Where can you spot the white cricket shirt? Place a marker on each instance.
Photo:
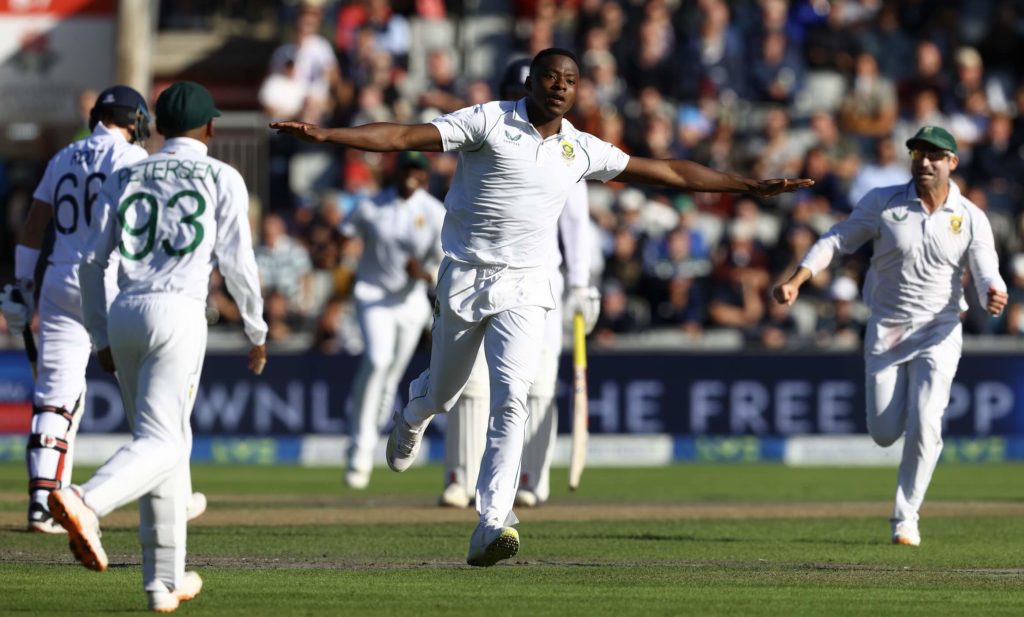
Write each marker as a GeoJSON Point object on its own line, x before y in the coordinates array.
{"type": "Point", "coordinates": [574, 228]}
{"type": "Point", "coordinates": [71, 184]}
{"type": "Point", "coordinates": [171, 217]}
{"type": "Point", "coordinates": [914, 281]}
{"type": "Point", "coordinates": [393, 230]}
{"type": "Point", "coordinates": [511, 184]}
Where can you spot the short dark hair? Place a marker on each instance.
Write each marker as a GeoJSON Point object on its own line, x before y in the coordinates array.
{"type": "Point", "coordinates": [552, 51]}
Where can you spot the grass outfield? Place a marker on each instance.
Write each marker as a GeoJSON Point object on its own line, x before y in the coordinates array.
{"type": "Point", "coordinates": [694, 539]}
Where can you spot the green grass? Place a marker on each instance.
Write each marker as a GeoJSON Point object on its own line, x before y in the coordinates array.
{"type": "Point", "coordinates": [747, 565]}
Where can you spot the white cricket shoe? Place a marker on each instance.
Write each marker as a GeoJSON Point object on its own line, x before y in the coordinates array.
{"type": "Point", "coordinates": [40, 521]}
{"type": "Point", "coordinates": [82, 524]}
{"type": "Point", "coordinates": [404, 442]}
{"type": "Point", "coordinates": [166, 601]}
{"type": "Point", "coordinates": [357, 479]}
{"type": "Point", "coordinates": [526, 499]}
{"type": "Point", "coordinates": [196, 506]}
{"type": "Point", "coordinates": [454, 496]}
{"type": "Point", "coordinates": [906, 533]}
{"type": "Point", "coordinates": [488, 546]}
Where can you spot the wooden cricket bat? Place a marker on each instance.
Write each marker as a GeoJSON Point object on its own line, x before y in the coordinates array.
{"type": "Point", "coordinates": [580, 411]}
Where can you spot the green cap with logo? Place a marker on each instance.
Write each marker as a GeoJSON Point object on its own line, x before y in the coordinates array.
{"type": "Point", "coordinates": [184, 106]}
{"type": "Point", "coordinates": [932, 135]}
{"type": "Point", "coordinates": [412, 158]}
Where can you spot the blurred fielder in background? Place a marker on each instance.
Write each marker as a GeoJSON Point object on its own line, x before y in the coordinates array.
{"type": "Point", "coordinates": [170, 217]}
{"type": "Point", "coordinates": [518, 161]}
{"type": "Point", "coordinates": [925, 234]}
{"type": "Point", "coordinates": [401, 233]}
{"type": "Point", "coordinates": [466, 431]}
{"type": "Point", "coordinates": [119, 125]}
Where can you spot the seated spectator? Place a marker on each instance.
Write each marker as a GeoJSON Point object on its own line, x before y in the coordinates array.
{"type": "Point", "coordinates": [715, 53]}
{"type": "Point", "coordinates": [925, 111]}
{"type": "Point", "coordinates": [870, 108]}
{"type": "Point", "coordinates": [624, 265]}
{"type": "Point", "coordinates": [315, 64]}
{"type": "Point", "coordinates": [618, 314]}
{"type": "Point", "coordinates": [683, 307]}
{"type": "Point", "coordinates": [778, 329]}
{"type": "Point", "coordinates": [841, 322]}
{"type": "Point", "coordinates": [998, 168]}
{"type": "Point", "coordinates": [777, 153]}
{"type": "Point", "coordinates": [884, 169]}
{"type": "Point", "coordinates": [928, 75]}
{"type": "Point", "coordinates": [283, 263]}
{"type": "Point", "coordinates": [1015, 307]}
{"type": "Point", "coordinates": [441, 95]}
{"type": "Point", "coordinates": [283, 96]}
{"type": "Point", "coordinates": [776, 71]}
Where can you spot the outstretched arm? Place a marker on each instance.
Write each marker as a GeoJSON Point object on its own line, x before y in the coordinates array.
{"type": "Point", "coordinates": [690, 176]}
{"type": "Point", "coordinates": [374, 137]}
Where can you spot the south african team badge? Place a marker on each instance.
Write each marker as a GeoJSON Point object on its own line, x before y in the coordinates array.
{"type": "Point", "coordinates": [956, 223]}
{"type": "Point", "coordinates": [568, 151]}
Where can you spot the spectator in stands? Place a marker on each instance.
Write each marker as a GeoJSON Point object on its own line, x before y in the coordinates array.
{"type": "Point", "coordinates": [776, 70]}
{"type": "Point", "coordinates": [925, 111]}
{"type": "Point", "coordinates": [740, 280]}
{"type": "Point", "coordinates": [1015, 306]}
{"type": "Point", "coordinates": [624, 265]}
{"type": "Point", "coordinates": [841, 322]}
{"type": "Point", "coordinates": [778, 328]}
{"type": "Point", "coordinates": [870, 108]}
{"type": "Point", "coordinates": [714, 53]}
{"type": "Point", "coordinates": [777, 150]}
{"type": "Point", "coordinates": [283, 96]}
{"type": "Point", "coordinates": [884, 169]}
{"type": "Point", "coordinates": [442, 93]}
{"type": "Point", "coordinates": [928, 75]}
{"type": "Point", "coordinates": [284, 265]}
{"type": "Point", "coordinates": [619, 315]}
{"type": "Point", "coordinates": [997, 168]}
{"type": "Point", "coordinates": [683, 307]}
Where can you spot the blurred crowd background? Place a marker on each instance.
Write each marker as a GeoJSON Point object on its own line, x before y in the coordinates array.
{"type": "Point", "coordinates": [764, 88]}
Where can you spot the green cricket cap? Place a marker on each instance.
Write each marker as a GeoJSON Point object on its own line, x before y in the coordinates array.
{"type": "Point", "coordinates": [184, 106]}
{"type": "Point", "coordinates": [411, 158]}
{"type": "Point", "coordinates": [935, 136]}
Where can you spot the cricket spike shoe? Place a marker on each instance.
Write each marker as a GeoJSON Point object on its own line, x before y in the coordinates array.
{"type": "Point", "coordinates": [40, 521]}
{"type": "Point", "coordinates": [489, 546]}
{"type": "Point", "coordinates": [527, 499]}
{"type": "Point", "coordinates": [404, 443]}
{"type": "Point", "coordinates": [167, 601]}
{"type": "Point", "coordinates": [454, 496]}
{"type": "Point", "coordinates": [906, 533]}
{"type": "Point", "coordinates": [196, 506]}
{"type": "Point", "coordinates": [83, 527]}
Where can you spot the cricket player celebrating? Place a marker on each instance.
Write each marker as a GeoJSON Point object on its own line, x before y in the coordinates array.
{"type": "Point", "coordinates": [401, 232]}
{"type": "Point", "coordinates": [466, 431]}
{"type": "Point", "coordinates": [119, 121]}
{"type": "Point", "coordinates": [518, 160]}
{"type": "Point", "coordinates": [924, 234]}
{"type": "Point", "coordinates": [170, 217]}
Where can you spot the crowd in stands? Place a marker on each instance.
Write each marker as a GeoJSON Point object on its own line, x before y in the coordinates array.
{"type": "Point", "coordinates": [828, 90]}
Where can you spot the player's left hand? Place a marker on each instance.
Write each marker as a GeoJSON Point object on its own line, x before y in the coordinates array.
{"type": "Point", "coordinates": [777, 186]}
{"type": "Point", "coordinates": [587, 302]}
{"type": "Point", "coordinates": [106, 360]}
{"type": "Point", "coordinates": [415, 270]}
{"type": "Point", "coordinates": [996, 301]}
{"type": "Point", "coordinates": [257, 359]}
{"type": "Point", "coordinates": [302, 130]}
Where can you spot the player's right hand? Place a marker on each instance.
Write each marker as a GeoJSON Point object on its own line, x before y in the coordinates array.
{"type": "Point", "coordinates": [257, 358]}
{"type": "Point", "coordinates": [106, 360]}
{"type": "Point", "coordinates": [786, 293]}
{"type": "Point", "coordinates": [777, 186]}
{"type": "Point", "coordinates": [302, 130]}
{"type": "Point", "coordinates": [16, 305]}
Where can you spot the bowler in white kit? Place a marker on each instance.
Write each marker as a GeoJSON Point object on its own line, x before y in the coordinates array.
{"type": "Point", "coordinates": [518, 161]}
{"type": "Point", "coordinates": [119, 121]}
{"type": "Point", "coordinates": [170, 218]}
{"type": "Point", "coordinates": [925, 235]}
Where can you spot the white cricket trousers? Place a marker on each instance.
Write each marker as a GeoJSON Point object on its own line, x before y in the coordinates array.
{"type": "Point", "coordinates": [158, 342]}
{"type": "Point", "coordinates": [391, 329]}
{"type": "Point", "coordinates": [466, 431]}
{"type": "Point", "coordinates": [504, 310]}
{"type": "Point", "coordinates": [911, 396]}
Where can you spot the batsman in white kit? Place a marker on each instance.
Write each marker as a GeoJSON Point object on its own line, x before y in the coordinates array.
{"type": "Point", "coordinates": [925, 235]}
{"type": "Point", "coordinates": [170, 217]}
{"type": "Point", "coordinates": [66, 195]}
{"type": "Point", "coordinates": [465, 435]}
{"type": "Point", "coordinates": [518, 160]}
{"type": "Point", "coordinates": [401, 232]}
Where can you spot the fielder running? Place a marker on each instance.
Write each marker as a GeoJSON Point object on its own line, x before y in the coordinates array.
{"type": "Point", "coordinates": [466, 431]}
{"type": "Point", "coordinates": [401, 232]}
{"type": "Point", "coordinates": [170, 217]}
{"type": "Point", "coordinates": [119, 121]}
{"type": "Point", "coordinates": [925, 234]}
{"type": "Point", "coordinates": [518, 161]}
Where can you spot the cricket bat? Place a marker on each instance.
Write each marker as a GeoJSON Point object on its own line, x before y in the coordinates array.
{"type": "Point", "coordinates": [30, 341]}
{"type": "Point", "coordinates": [580, 411]}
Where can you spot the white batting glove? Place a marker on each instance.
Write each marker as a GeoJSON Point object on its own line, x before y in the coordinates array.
{"type": "Point", "coordinates": [17, 305]}
{"type": "Point", "coordinates": [587, 302]}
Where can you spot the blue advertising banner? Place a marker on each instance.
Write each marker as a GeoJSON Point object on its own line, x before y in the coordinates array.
{"type": "Point", "coordinates": [762, 395]}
